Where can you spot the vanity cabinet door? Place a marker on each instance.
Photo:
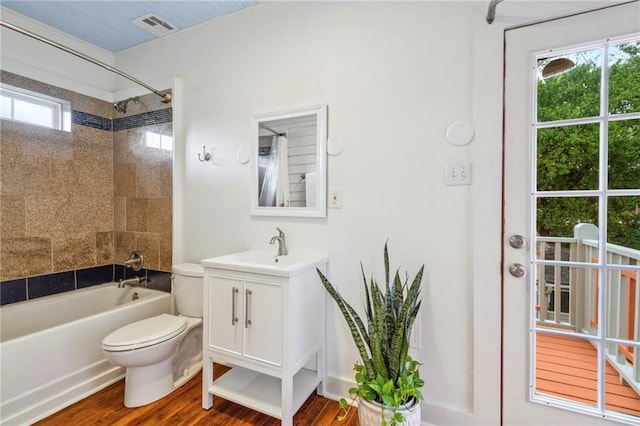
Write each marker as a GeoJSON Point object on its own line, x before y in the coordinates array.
{"type": "Point", "coordinates": [226, 317]}
{"type": "Point", "coordinates": [263, 321]}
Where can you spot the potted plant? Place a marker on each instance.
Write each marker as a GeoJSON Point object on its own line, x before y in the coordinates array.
{"type": "Point", "coordinates": [387, 379]}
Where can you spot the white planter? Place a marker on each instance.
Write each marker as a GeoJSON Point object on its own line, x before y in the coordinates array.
{"type": "Point", "coordinates": [369, 413]}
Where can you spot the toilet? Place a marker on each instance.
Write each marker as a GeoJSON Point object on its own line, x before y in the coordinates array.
{"type": "Point", "coordinates": [164, 352]}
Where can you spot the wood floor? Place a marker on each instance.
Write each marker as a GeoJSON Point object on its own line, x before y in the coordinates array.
{"type": "Point", "coordinates": [566, 367]}
{"type": "Point", "coordinates": [183, 407]}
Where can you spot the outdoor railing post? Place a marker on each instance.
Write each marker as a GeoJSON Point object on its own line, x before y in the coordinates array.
{"type": "Point", "coordinates": [581, 232]}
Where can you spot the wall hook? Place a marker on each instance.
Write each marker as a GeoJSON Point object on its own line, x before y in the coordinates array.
{"type": "Point", "coordinates": [207, 156]}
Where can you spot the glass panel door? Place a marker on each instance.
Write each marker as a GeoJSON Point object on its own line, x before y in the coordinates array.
{"type": "Point", "coordinates": [571, 302]}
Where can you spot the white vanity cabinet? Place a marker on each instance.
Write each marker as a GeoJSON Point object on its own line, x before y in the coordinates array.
{"type": "Point", "coordinates": [246, 314]}
{"type": "Point", "coordinates": [265, 319]}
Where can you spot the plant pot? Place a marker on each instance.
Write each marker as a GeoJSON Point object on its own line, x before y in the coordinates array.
{"type": "Point", "coordinates": [369, 413]}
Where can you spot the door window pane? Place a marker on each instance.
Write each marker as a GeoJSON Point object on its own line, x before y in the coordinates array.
{"type": "Point", "coordinates": [567, 298]}
{"type": "Point", "coordinates": [624, 78]}
{"type": "Point", "coordinates": [569, 85]}
{"type": "Point", "coordinates": [619, 395]}
{"type": "Point", "coordinates": [567, 157]}
{"type": "Point", "coordinates": [558, 216]}
{"type": "Point", "coordinates": [566, 367]}
{"type": "Point", "coordinates": [624, 153]}
{"type": "Point", "coordinates": [623, 229]}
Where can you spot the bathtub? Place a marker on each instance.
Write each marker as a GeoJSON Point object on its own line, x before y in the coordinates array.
{"type": "Point", "coordinates": [51, 347]}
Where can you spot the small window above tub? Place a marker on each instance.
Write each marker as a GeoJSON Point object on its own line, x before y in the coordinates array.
{"type": "Point", "coordinates": [34, 108]}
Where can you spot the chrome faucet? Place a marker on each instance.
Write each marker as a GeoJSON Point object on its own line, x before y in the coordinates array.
{"type": "Point", "coordinates": [131, 282]}
{"type": "Point", "coordinates": [282, 242]}
{"type": "Point", "coordinates": [135, 261]}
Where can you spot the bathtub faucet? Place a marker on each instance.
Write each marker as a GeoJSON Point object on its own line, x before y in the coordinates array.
{"type": "Point", "coordinates": [282, 242]}
{"type": "Point", "coordinates": [131, 282]}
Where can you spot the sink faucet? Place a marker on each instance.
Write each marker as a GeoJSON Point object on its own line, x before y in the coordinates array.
{"type": "Point", "coordinates": [132, 282]}
{"type": "Point", "coordinates": [282, 242]}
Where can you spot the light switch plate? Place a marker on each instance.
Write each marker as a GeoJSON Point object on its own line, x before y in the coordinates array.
{"type": "Point", "coordinates": [458, 174]}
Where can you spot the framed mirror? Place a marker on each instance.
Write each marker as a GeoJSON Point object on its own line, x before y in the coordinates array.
{"type": "Point", "coordinates": [289, 158]}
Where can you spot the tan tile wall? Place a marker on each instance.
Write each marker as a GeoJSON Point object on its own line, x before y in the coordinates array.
{"type": "Point", "coordinates": [81, 199]}
{"type": "Point", "coordinates": [143, 191]}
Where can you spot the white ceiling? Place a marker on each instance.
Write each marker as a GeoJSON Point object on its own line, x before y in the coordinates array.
{"type": "Point", "coordinates": [107, 24]}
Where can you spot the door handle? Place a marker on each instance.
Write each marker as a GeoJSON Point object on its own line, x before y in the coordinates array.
{"type": "Point", "coordinates": [517, 241]}
{"type": "Point", "coordinates": [517, 270]}
{"type": "Point", "coordinates": [234, 304]}
{"type": "Point", "coordinates": [247, 320]}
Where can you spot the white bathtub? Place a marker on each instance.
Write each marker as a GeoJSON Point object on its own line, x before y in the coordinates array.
{"type": "Point", "coordinates": [51, 347]}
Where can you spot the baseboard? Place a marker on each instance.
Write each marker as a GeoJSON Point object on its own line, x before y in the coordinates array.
{"type": "Point", "coordinates": [432, 414]}
{"type": "Point", "coordinates": [52, 397]}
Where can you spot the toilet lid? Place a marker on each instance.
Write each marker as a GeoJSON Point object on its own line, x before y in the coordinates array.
{"type": "Point", "coordinates": [146, 332]}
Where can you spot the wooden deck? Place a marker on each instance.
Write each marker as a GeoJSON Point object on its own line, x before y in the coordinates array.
{"type": "Point", "coordinates": [567, 367]}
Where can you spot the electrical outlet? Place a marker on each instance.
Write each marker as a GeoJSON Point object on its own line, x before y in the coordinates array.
{"type": "Point", "coordinates": [335, 198]}
{"type": "Point", "coordinates": [458, 174]}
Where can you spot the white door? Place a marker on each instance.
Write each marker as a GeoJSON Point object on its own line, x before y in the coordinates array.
{"type": "Point", "coordinates": [573, 318]}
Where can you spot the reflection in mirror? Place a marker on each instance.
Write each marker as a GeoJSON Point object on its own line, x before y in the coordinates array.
{"type": "Point", "coordinates": [290, 163]}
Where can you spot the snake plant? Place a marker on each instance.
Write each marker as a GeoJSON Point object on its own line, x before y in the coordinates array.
{"type": "Point", "coordinates": [387, 374]}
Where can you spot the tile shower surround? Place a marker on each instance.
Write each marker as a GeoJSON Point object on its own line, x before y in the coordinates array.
{"type": "Point", "coordinates": [19, 290]}
{"type": "Point", "coordinates": [64, 210]}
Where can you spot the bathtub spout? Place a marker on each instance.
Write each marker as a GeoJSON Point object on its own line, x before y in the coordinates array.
{"type": "Point", "coordinates": [131, 282]}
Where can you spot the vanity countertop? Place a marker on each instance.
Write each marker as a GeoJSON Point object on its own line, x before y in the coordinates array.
{"type": "Point", "coordinates": [268, 262]}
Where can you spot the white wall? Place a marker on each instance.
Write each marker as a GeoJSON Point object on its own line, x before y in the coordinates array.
{"type": "Point", "coordinates": [394, 76]}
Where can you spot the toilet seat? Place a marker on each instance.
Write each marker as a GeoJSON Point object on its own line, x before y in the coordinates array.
{"type": "Point", "coordinates": [144, 333]}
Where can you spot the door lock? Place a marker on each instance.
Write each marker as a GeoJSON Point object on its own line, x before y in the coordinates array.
{"type": "Point", "coordinates": [517, 241]}
{"type": "Point", "coordinates": [517, 270]}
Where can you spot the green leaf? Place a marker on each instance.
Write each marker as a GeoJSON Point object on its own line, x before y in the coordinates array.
{"type": "Point", "coordinates": [398, 417]}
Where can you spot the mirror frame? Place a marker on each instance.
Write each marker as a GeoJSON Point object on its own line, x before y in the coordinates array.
{"type": "Point", "coordinates": [321, 161]}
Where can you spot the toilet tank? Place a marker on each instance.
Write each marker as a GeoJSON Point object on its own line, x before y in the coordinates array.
{"type": "Point", "coordinates": [188, 280]}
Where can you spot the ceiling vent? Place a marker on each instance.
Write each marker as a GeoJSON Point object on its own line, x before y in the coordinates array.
{"type": "Point", "coordinates": [155, 25]}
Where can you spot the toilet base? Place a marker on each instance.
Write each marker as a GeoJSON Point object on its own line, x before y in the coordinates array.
{"type": "Point", "coordinates": [144, 385]}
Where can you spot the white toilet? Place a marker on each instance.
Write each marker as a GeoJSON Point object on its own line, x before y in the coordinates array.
{"type": "Point", "coordinates": [163, 352]}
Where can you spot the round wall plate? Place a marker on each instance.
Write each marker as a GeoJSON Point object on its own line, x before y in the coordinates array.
{"type": "Point", "coordinates": [335, 145]}
{"type": "Point", "coordinates": [460, 133]}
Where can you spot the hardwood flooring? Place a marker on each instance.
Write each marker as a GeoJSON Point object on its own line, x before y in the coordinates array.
{"type": "Point", "coordinates": [567, 368]}
{"type": "Point", "coordinates": [183, 407]}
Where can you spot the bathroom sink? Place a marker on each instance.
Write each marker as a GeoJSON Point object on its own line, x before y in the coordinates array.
{"type": "Point", "coordinates": [267, 262]}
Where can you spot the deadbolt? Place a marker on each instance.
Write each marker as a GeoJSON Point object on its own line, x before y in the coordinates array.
{"type": "Point", "coordinates": [517, 270]}
{"type": "Point", "coordinates": [517, 241]}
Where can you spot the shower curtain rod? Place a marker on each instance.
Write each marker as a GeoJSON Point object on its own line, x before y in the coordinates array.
{"type": "Point", "coordinates": [166, 97]}
{"type": "Point", "coordinates": [491, 13]}
{"type": "Point", "coordinates": [271, 130]}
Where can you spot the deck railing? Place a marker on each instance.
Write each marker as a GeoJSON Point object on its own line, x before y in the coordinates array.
{"type": "Point", "coordinates": [568, 296]}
